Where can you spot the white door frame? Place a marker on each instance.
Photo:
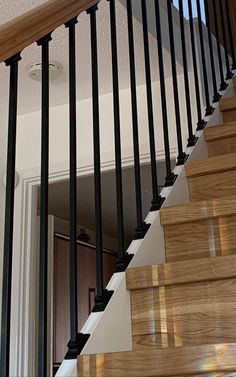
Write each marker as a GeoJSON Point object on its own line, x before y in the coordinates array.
{"type": "Point", "coordinates": [25, 247]}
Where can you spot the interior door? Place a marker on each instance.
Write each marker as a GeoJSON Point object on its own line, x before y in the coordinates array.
{"type": "Point", "coordinates": [86, 259]}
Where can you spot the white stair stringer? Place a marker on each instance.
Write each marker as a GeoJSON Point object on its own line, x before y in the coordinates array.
{"type": "Point", "coordinates": [110, 331]}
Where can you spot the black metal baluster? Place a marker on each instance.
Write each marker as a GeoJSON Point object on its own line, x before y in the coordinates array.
{"type": "Point", "coordinates": [192, 138]}
{"type": "Point", "coordinates": [103, 296]}
{"type": "Point", "coordinates": [157, 200]}
{"type": "Point", "coordinates": [223, 84]}
{"type": "Point", "coordinates": [230, 30]}
{"type": "Point", "coordinates": [182, 157]}
{"type": "Point", "coordinates": [201, 123]}
{"type": "Point", "coordinates": [73, 343]}
{"type": "Point", "coordinates": [229, 73]}
{"type": "Point", "coordinates": [123, 257]}
{"type": "Point", "coordinates": [216, 96]}
{"type": "Point", "coordinates": [209, 108]}
{"type": "Point", "coordinates": [9, 218]}
{"type": "Point", "coordinates": [43, 256]}
{"type": "Point", "coordinates": [142, 227]}
{"type": "Point", "coordinates": [170, 177]}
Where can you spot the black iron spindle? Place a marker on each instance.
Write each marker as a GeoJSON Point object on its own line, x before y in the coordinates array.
{"type": "Point", "coordinates": [102, 296]}
{"type": "Point", "coordinates": [201, 122]}
{"type": "Point", "coordinates": [182, 157]}
{"type": "Point", "coordinates": [43, 256]}
{"type": "Point", "coordinates": [123, 258]}
{"type": "Point", "coordinates": [217, 96]}
{"type": "Point", "coordinates": [229, 73]}
{"type": "Point", "coordinates": [170, 177]}
{"type": "Point", "coordinates": [192, 138]}
{"type": "Point", "coordinates": [209, 108]}
{"type": "Point", "coordinates": [142, 227]}
{"type": "Point", "coordinates": [223, 84]}
{"type": "Point", "coordinates": [9, 218]}
{"type": "Point", "coordinates": [230, 31]}
{"type": "Point", "coordinates": [157, 200]}
{"type": "Point", "coordinates": [73, 343]}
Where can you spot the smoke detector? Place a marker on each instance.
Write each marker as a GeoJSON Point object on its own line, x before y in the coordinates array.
{"type": "Point", "coordinates": [35, 71]}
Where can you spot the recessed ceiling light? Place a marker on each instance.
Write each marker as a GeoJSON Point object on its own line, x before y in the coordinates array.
{"type": "Point", "coordinates": [35, 71]}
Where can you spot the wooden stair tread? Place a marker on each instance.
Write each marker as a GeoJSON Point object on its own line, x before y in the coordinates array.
{"type": "Point", "coordinates": [220, 132]}
{"type": "Point", "coordinates": [185, 213]}
{"type": "Point", "coordinates": [164, 362]}
{"type": "Point", "coordinates": [227, 104]}
{"type": "Point", "coordinates": [211, 165]}
{"type": "Point", "coordinates": [190, 271]}
{"type": "Point", "coordinates": [185, 293]}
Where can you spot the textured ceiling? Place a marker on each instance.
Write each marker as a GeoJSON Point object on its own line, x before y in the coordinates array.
{"type": "Point", "coordinates": [29, 99]}
{"type": "Point", "coordinates": [13, 8]}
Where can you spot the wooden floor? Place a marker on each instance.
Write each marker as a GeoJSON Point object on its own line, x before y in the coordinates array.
{"type": "Point", "coordinates": [184, 312]}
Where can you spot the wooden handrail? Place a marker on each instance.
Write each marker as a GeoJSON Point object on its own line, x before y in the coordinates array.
{"type": "Point", "coordinates": [28, 28]}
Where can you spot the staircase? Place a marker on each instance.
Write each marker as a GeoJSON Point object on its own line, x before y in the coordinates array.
{"type": "Point", "coordinates": [183, 320]}
{"type": "Point", "coordinates": [182, 313]}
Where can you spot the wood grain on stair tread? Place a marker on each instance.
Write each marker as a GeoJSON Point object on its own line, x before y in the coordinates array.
{"type": "Point", "coordinates": [222, 184]}
{"type": "Point", "coordinates": [229, 116]}
{"type": "Point", "coordinates": [202, 239]}
{"type": "Point", "coordinates": [210, 165]}
{"type": "Point", "coordinates": [200, 210]}
{"type": "Point", "coordinates": [185, 315]}
{"type": "Point", "coordinates": [220, 132]}
{"type": "Point", "coordinates": [181, 272]}
{"type": "Point", "coordinates": [221, 147]}
{"type": "Point", "coordinates": [221, 139]}
{"type": "Point", "coordinates": [228, 108]}
{"type": "Point", "coordinates": [228, 103]}
{"type": "Point", "coordinates": [160, 363]}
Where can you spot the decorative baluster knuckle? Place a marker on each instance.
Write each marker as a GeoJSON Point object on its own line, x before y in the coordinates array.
{"type": "Point", "coordinates": [229, 73]}
{"type": "Point", "coordinates": [43, 258]}
{"type": "Point", "coordinates": [92, 9]}
{"type": "Point", "coordinates": [209, 108]}
{"type": "Point", "coordinates": [182, 156]}
{"type": "Point", "coordinates": [192, 138]}
{"type": "Point", "coordinates": [230, 30]}
{"type": "Point", "coordinates": [44, 40]}
{"type": "Point", "coordinates": [223, 84]}
{"type": "Point", "coordinates": [77, 341]}
{"type": "Point", "coordinates": [72, 22]}
{"type": "Point", "coordinates": [170, 176]}
{"type": "Point", "coordinates": [201, 122]}
{"type": "Point", "coordinates": [142, 227]}
{"type": "Point", "coordinates": [103, 296]}
{"type": "Point", "coordinates": [216, 96]}
{"type": "Point", "coordinates": [13, 60]}
{"type": "Point", "coordinates": [123, 258]}
{"type": "Point", "coordinates": [157, 200]}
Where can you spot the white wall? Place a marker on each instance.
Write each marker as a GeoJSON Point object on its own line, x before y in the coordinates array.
{"type": "Point", "coordinates": [3, 148]}
{"type": "Point", "coordinates": [137, 13]}
{"type": "Point", "coordinates": [28, 141]}
{"type": "Point", "coordinates": [208, 61]}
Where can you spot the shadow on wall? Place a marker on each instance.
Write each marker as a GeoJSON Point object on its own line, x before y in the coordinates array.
{"type": "Point", "coordinates": [194, 5]}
